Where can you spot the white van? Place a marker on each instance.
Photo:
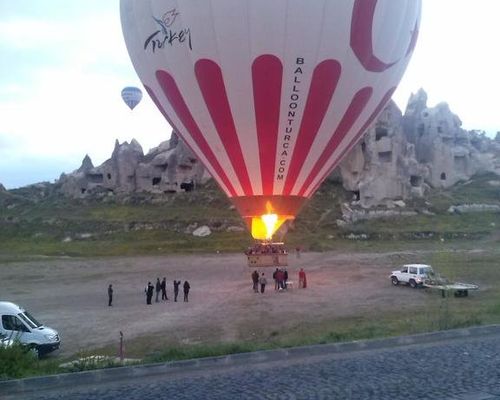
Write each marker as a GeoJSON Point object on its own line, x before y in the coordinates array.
{"type": "Point", "coordinates": [18, 324]}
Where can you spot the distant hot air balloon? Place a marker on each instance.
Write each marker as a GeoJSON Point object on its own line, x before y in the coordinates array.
{"type": "Point", "coordinates": [270, 94]}
{"type": "Point", "coordinates": [131, 96]}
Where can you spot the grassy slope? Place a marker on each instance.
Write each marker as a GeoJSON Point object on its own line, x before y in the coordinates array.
{"type": "Point", "coordinates": [140, 227]}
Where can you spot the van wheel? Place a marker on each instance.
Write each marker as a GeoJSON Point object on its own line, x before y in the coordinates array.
{"type": "Point", "coordinates": [34, 350]}
{"type": "Point", "coordinates": [413, 284]}
{"type": "Point", "coordinates": [395, 281]}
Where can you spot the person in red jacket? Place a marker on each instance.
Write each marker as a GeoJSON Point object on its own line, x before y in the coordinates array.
{"type": "Point", "coordinates": [302, 279]}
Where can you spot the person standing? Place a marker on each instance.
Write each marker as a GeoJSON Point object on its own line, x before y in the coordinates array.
{"type": "Point", "coordinates": [275, 277]}
{"type": "Point", "coordinates": [285, 279]}
{"type": "Point", "coordinates": [176, 289]}
{"type": "Point", "coordinates": [158, 289]}
{"type": "Point", "coordinates": [186, 291]}
{"type": "Point", "coordinates": [149, 293]}
{"type": "Point", "coordinates": [302, 279]}
{"type": "Point", "coordinates": [110, 295]}
{"type": "Point", "coordinates": [164, 289]}
{"type": "Point", "coordinates": [263, 283]}
{"type": "Point", "coordinates": [279, 278]}
{"type": "Point", "coordinates": [255, 280]}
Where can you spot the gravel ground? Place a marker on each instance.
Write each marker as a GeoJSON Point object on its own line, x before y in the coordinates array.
{"type": "Point", "coordinates": [70, 295]}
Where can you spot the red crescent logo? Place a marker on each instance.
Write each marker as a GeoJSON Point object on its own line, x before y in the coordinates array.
{"type": "Point", "coordinates": [362, 39]}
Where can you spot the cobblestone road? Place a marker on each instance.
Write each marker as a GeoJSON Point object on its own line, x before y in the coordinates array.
{"type": "Point", "coordinates": [460, 369]}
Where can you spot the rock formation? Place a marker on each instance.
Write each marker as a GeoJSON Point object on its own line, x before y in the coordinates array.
{"type": "Point", "coordinates": [400, 157]}
{"type": "Point", "coordinates": [383, 166]}
{"type": "Point", "coordinates": [170, 167]}
{"type": "Point", "coordinates": [451, 153]}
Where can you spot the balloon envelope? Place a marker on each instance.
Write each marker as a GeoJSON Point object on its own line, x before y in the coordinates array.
{"type": "Point", "coordinates": [131, 96]}
{"type": "Point", "coordinates": [270, 95]}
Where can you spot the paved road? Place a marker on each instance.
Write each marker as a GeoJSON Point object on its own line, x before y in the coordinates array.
{"type": "Point", "coordinates": [463, 367]}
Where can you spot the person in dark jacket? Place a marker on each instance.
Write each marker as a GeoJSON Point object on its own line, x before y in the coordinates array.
{"type": "Point", "coordinates": [110, 295]}
{"type": "Point", "coordinates": [164, 289]}
{"type": "Point", "coordinates": [149, 292]}
{"type": "Point", "coordinates": [186, 290]}
{"type": "Point", "coordinates": [176, 289]}
{"type": "Point", "coordinates": [275, 277]}
{"type": "Point", "coordinates": [255, 280]}
{"type": "Point", "coordinates": [158, 289]}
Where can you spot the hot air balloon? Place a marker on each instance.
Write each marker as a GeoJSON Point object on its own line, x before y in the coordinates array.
{"type": "Point", "coordinates": [270, 94]}
{"type": "Point", "coordinates": [131, 96]}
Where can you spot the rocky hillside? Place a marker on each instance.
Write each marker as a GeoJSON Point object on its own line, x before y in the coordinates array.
{"type": "Point", "coordinates": [402, 157]}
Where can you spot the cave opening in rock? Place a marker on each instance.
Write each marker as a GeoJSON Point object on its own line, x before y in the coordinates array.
{"type": "Point", "coordinates": [385, 156]}
{"type": "Point", "coordinates": [187, 186]}
{"type": "Point", "coordinates": [443, 176]}
{"type": "Point", "coordinates": [95, 178]}
{"type": "Point", "coordinates": [381, 133]}
{"type": "Point", "coordinates": [415, 180]}
{"type": "Point", "coordinates": [156, 181]}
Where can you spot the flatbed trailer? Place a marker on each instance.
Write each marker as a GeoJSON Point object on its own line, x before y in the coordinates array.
{"type": "Point", "coordinates": [458, 289]}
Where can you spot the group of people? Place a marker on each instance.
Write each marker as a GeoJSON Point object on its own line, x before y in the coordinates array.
{"type": "Point", "coordinates": [280, 277]}
{"type": "Point", "coordinates": [259, 280]}
{"type": "Point", "coordinates": [162, 287]}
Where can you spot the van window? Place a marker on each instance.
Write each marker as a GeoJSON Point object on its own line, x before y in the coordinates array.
{"type": "Point", "coordinates": [29, 320]}
{"type": "Point", "coordinates": [12, 323]}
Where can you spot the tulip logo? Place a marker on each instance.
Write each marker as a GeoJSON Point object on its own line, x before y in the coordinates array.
{"type": "Point", "coordinates": [169, 17]}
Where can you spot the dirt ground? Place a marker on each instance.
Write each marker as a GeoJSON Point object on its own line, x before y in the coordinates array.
{"type": "Point", "coordinates": [70, 295]}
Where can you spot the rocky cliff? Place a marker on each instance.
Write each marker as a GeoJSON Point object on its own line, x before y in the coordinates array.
{"type": "Point", "coordinates": [170, 167]}
{"type": "Point", "coordinates": [400, 157]}
{"type": "Point", "coordinates": [403, 156]}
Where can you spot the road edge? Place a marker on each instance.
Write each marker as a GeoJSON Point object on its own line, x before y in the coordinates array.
{"type": "Point", "coordinates": [62, 381]}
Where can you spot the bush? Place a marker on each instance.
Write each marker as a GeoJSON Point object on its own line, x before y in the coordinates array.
{"type": "Point", "coordinates": [17, 361]}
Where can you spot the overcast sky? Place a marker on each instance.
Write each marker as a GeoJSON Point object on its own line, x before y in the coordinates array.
{"type": "Point", "coordinates": [63, 64]}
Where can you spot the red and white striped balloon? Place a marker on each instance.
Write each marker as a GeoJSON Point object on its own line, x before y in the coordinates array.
{"type": "Point", "coordinates": [270, 94]}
